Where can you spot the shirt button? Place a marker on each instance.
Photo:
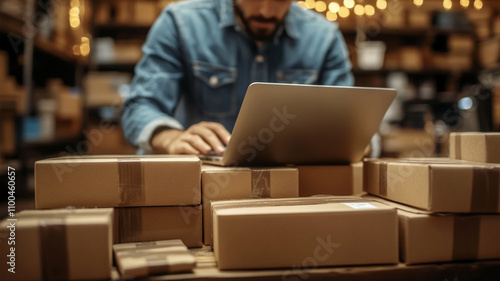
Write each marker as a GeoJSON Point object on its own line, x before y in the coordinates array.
{"type": "Point", "coordinates": [259, 58]}
{"type": "Point", "coordinates": [213, 81]}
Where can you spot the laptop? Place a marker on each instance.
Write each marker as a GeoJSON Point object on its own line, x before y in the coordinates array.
{"type": "Point", "coordinates": [281, 124]}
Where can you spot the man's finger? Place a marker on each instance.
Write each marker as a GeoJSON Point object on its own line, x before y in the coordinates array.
{"type": "Point", "coordinates": [220, 131]}
{"type": "Point", "coordinates": [198, 143]}
{"type": "Point", "coordinates": [210, 137]}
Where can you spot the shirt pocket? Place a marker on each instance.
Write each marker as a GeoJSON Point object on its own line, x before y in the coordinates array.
{"type": "Point", "coordinates": [297, 76]}
{"type": "Point", "coordinates": [215, 87]}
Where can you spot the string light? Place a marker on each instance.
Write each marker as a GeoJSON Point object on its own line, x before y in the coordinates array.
{"type": "Point", "coordinates": [302, 4]}
{"type": "Point", "coordinates": [359, 10]}
{"type": "Point", "coordinates": [447, 4]}
{"type": "Point", "coordinates": [381, 4]}
{"type": "Point", "coordinates": [369, 10]}
{"type": "Point", "coordinates": [310, 4]}
{"type": "Point", "coordinates": [418, 3]}
{"type": "Point", "coordinates": [320, 6]}
{"type": "Point", "coordinates": [478, 4]}
{"type": "Point", "coordinates": [334, 7]}
{"type": "Point", "coordinates": [85, 46]}
{"type": "Point", "coordinates": [344, 12]}
{"type": "Point", "coordinates": [465, 3]}
{"type": "Point", "coordinates": [349, 4]}
{"type": "Point", "coordinates": [331, 16]}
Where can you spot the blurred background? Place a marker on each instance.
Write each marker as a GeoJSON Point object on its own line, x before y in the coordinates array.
{"type": "Point", "coordinates": [66, 65]}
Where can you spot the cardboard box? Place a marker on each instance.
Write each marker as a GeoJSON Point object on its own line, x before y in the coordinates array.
{"type": "Point", "coordinates": [4, 66]}
{"type": "Point", "coordinates": [476, 147]}
{"type": "Point", "coordinates": [102, 89]}
{"type": "Point", "coordinates": [224, 183]}
{"type": "Point", "coordinates": [336, 232]}
{"type": "Point", "coordinates": [153, 258]}
{"type": "Point", "coordinates": [426, 237]}
{"type": "Point", "coordinates": [112, 142]}
{"type": "Point", "coordinates": [461, 44]}
{"type": "Point", "coordinates": [117, 181]}
{"type": "Point", "coordinates": [412, 58]}
{"type": "Point", "coordinates": [145, 12]}
{"type": "Point", "coordinates": [436, 185]}
{"type": "Point", "coordinates": [142, 224]}
{"type": "Point", "coordinates": [331, 179]}
{"type": "Point", "coordinates": [58, 245]}
{"type": "Point", "coordinates": [419, 19]}
{"type": "Point", "coordinates": [489, 52]}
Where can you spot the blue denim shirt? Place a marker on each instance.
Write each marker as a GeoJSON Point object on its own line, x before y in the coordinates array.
{"type": "Point", "coordinates": [198, 62]}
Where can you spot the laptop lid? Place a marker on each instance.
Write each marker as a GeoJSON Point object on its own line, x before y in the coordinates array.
{"type": "Point", "coordinates": [305, 124]}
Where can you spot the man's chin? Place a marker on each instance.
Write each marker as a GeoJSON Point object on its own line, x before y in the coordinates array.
{"type": "Point", "coordinates": [262, 34]}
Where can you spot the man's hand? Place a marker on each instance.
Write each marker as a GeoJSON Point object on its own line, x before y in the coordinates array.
{"type": "Point", "coordinates": [200, 138]}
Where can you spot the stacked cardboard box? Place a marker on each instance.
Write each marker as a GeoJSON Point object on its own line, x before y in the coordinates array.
{"type": "Point", "coordinates": [451, 206]}
{"type": "Point", "coordinates": [156, 257]}
{"type": "Point", "coordinates": [330, 179]}
{"type": "Point", "coordinates": [155, 197]}
{"type": "Point", "coordinates": [227, 183]}
{"type": "Point", "coordinates": [314, 231]}
{"type": "Point", "coordinates": [426, 184]}
{"type": "Point", "coordinates": [475, 147]}
{"type": "Point", "coordinates": [57, 245]}
{"type": "Point", "coordinates": [496, 108]}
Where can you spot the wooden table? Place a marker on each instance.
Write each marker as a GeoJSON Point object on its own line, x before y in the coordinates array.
{"type": "Point", "coordinates": [206, 269]}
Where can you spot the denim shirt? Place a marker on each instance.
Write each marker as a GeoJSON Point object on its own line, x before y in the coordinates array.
{"type": "Point", "coordinates": [198, 63]}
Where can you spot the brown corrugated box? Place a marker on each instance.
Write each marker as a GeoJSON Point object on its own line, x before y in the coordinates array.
{"type": "Point", "coordinates": [117, 181]}
{"type": "Point", "coordinates": [435, 184]}
{"type": "Point", "coordinates": [153, 258]}
{"type": "Point", "coordinates": [331, 179]}
{"type": "Point", "coordinates": [426, 237]}
{"type": "Point", "coordinates": [294, 233]}
{"type": "Point", "coordinates": [58, 245]}
{"type": "Point", "coordinates": [224, 183]}
{"type": "Point", "coordinates": [142, 224]}
{"type": "Point", "coordinates": [476, 147]}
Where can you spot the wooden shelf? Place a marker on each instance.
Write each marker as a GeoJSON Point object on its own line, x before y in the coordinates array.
{"type": "Point", "coordinates": [58, 51]}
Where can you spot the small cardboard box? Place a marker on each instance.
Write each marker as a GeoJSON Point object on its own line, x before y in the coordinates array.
{"type": "Point", "coordinates": [57, 245]}
{"type": "Point", "coordinates": [143, 224]}
{"type": "Point", "coordinates": [429, 237]}
{"type": "Point", "coordinates": [435, 184]}
{"type": "Point", "coordinates": [331, 179]}
{"type": "Point", "coordinates": [153, 258]}
{"type": "Point", "coordinates": [225, 183]}
{"type": "Point", "coordinates": [294, 233]}
{"type": "Point", "coordinates": [117, 181]}
{"type": "Point", "coordinates": [475, 147]}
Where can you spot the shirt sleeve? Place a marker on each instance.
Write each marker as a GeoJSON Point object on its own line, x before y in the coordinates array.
{"type": "Point", "coordinates": [337, 66]}
{"type": "Point", "coordinates": [156, 87]}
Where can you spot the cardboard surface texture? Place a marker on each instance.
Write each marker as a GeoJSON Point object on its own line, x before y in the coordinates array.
{"type": "Point", "coordinates": [142, 224]}
{"type": "Point", "coordinates": [475, 147]}
{"type": "Point", "coordinates": [294, 233]}
{"type": "Point", "coordinates": [426, 237]}
{"type": "Point", "coordinates": [225, 183]}
{"type": "Point", "coordinates": [59, 245]}
{"type": "Point", "coordinates": [153, 258]}
{"type": "Point", "coordinates": [331, 179]}
{"type": "Point", "coordinates": [435, 184]}
{"type": "Point", "coordinates": [117, 181]}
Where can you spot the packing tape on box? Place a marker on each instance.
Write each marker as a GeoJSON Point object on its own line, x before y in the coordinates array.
{"type": "Point", "coordinates": [382, 179]}
{"type": "Point", "coordinates": [458, 146]}
{"type": "Point", "coordinates": [54, 249]}
{"type": "Point", "coordinates": [261, 183]}
{"type": "Point", "coordinates": [485, 189]}
{"type": "Point", "coordinates": [131, 182]}
{"type": "Point", "coordinates": [129, 224]}
{"type": "Point", "coordinates": [466, 237]}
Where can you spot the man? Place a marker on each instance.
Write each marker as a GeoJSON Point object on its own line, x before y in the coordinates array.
{"type": "Point", "coordinates": [200, 57]}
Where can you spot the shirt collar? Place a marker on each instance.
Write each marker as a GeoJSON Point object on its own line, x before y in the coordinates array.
{"type": "Point", "coordinates": [227, 18]}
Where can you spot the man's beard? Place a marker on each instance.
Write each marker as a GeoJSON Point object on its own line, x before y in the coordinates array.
{"type": "Point", "coordinates": [258, 34]}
